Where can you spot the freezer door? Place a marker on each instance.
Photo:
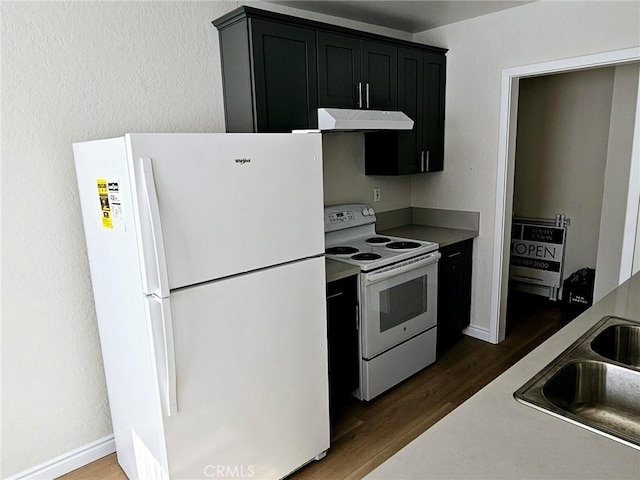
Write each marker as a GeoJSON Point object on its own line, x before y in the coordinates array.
{"type": "Point", "coordinates": [251, 373]}
{"type": "Point", "coordinates": [215, 205]}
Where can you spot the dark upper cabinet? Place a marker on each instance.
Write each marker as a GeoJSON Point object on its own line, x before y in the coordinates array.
{"type": "Point", "coordinates": [285, 72]}
{"type": "Point", "coordinates": [433, 120]}
{"type": "Point", "coordinates": [277, 70]}
{"type": "Point", "coordinates": [269, 76]}
{"type": "Point", "coordinates": [380, 75]}
{"type": "Point", "coordinates": [338, 71]}
{"type": "Point", "coordinates": [421, 94]}
{"type": "Point", "coordinates": [355, 73]}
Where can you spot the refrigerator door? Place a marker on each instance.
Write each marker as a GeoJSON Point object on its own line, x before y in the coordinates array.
{"type": "Point", "coordinates": [215, 205]}
{"type": "Point", "coordinates": [251, 374]}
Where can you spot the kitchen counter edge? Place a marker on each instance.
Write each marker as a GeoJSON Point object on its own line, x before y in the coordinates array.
{"type": "Point", "coordinates": [338, 270]}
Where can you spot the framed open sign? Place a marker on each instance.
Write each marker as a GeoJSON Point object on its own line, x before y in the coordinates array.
{"type": "Point", "coordinates": [537, 253]}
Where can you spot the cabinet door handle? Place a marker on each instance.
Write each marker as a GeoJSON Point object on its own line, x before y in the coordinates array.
{"type": "Point", "coordinates": [454, 254]}
{"type": "Point", "coordinates": [335, 295]}
{"type": "Point", "coordinates": [427, 161]}
{"type": "Point", "coordinates": [359, 94]}
{"type": "Point", "coordinates": [367, 94]}
{"type": "Point", "coordinates": [422, 161]}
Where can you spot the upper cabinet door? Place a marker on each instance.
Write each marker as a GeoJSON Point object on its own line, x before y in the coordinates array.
{"type": "Point", "coordinates": [284, 77]}
{"type": "Point", "coordinates": [354, 73]}
{"type": "Point", "coordinates": [380, 75]}
{"type": "Point", "coordinates": [410, 101]}
{"type": "Point", "coordinates": [339, 80]}
{"type": "Point", "coordinates": [433, 125]}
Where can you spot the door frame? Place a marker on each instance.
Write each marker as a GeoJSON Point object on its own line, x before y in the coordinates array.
{"type": "Point", "coordinates": [506, 166]}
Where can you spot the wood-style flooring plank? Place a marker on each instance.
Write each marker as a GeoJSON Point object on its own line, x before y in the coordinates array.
{"type": "Point", "coordinates": [106, 468]}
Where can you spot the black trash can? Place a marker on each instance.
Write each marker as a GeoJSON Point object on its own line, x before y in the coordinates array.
{"type": "Point", "coordinates": [578, 288]}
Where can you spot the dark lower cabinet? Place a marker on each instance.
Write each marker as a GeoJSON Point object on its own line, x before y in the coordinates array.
{"type": "Point", "coordinates": [342, 324]}
{"type": "Point", "coordinates": [454, 293]}
{"type": "Point", "coordinates": [421, 95]}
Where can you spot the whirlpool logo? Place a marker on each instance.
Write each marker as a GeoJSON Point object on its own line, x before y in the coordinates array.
{"type": "Point", "coordinates": [242, 161]}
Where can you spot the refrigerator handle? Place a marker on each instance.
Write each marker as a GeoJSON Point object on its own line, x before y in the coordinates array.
{"type": "Point", "coordinates": [164, 347]}
{"type": "Point", "coordinates": [151, 196]}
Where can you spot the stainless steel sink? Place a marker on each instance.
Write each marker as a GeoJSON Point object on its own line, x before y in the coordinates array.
{"type": "Point", "coordinates": [620, 343]}
{"type": "Point", "coordinates": [595, 383]}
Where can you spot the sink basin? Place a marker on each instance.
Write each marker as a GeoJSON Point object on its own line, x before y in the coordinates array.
{"type": "Point", "coordinates": [595, 383]}
{"type": "Point", "coordinates": [601, 394]}
{"type": "Point", "coordinates": [620, 343]}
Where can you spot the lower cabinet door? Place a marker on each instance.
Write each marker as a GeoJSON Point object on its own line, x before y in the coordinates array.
{"type": "Point", "coordinates": [344, 361]}
{"type": "Point", "coordinates": [454, 293]}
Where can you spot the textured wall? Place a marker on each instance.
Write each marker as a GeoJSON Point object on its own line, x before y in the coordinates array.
{"type": "Point", "coordinates": [479, 49]}
{"type": "Point", "coordinates": [74, 71]}
{"type": "Point", "coordinates": [561, 154]}
{"type": "Point", "coordinates": [345, 181]}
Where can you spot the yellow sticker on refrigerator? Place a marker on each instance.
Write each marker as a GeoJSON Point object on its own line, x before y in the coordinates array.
{"type": "Point", "coordinates": [103, 193]}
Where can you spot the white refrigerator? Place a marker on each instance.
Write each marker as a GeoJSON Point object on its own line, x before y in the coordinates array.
{"type": "Point", "coordinates": [206, 256]}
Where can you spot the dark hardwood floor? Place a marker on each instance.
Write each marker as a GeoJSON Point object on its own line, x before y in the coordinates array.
{"type": "Point", "coordinates": [364, 435]}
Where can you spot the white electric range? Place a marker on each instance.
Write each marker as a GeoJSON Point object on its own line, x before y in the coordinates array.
{"type": "Point", "coordinates": [398, 290]}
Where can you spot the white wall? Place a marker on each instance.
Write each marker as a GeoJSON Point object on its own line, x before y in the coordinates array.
{"type": "Point", "coordinates": [345, 181]}
{"type": "Point", "coordinates": [479, 49]}
{"type": "Point", "coordinates": [616, 181]}
{"type": "Point", "coordinates": [74, 71]}
{"type": "Point", "coordinates": [561, 153]}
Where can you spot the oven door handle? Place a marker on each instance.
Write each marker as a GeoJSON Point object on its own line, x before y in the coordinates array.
{"type": "Point", "coordinates": [400, 268]}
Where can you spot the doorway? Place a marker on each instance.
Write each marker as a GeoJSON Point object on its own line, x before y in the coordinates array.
{"type": "Point", "coordinates": [564, 123]}
{"type": "Point", "coordinates": [506, 168]}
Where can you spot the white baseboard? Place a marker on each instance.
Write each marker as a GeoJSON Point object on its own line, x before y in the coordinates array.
{"type": "Point", "coordinates": [477, 332]}
{"type": "Point", "coordinates": [69, 461]}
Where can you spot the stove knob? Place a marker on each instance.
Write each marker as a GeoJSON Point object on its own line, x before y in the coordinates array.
{"type": "Point", "coordinates": [371, 212]}
{"type": "Point", "coordinates": [365, 212]}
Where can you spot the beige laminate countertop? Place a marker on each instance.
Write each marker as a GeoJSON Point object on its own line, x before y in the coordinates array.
{"type": "Point", "coordinates": [492, 436]}
{"type": "Point", "coordinates": [442, 236]}
{"type": "Point", "coordinates": [338, 270]}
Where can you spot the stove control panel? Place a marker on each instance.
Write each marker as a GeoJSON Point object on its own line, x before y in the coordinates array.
{"type": "Point", "coordinates": [367, 211]}
{"type": "Point", "coordinates": [345, 216]}
{"type": "Point", "coordinates": [339, 217]}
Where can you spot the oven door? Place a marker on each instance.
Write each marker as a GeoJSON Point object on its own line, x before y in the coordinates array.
{"type": "Point", "coordinates": [399, 302]}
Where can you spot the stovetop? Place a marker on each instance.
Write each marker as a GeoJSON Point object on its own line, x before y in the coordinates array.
{"type": "Point", "coordinates": [350, 237]}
